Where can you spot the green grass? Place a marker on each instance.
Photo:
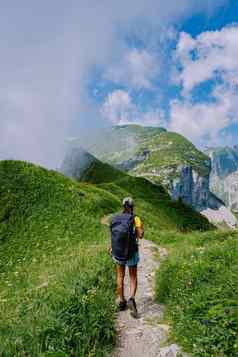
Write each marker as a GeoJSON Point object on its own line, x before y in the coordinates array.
{"type": "Point", "coordinates": [117, 143]}
{"type": "Point", "coordinates": [57, 285]}
{"type": "Point", "coordinates": [168, 151]}
{"type": "Point", "coordinates": [152, 201]}
{"type": "Point", "coordinates": [99, 172]}
{"type": "Point", "coordinates": [159, 212]}
{"type": "Point", "coordinates": [198, 283]}
{"type": "Point", "coordinates": [57, 281]}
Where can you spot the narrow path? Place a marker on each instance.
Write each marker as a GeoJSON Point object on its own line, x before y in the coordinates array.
{"type": "Point", "coordinates": [145, 336]}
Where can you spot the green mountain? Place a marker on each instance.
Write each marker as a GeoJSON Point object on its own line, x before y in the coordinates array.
{"type": "Point", "coordinates": [82, 166]}
{"type": "Point", "coordinates": [224, 174]}
{"type": "Point", "coordinates": [57, 281]}
{"type": "Point", "coordinates": [164, 158]}
{"type": "Point", "coordinates": [137, 147]}
{"type": "Point", "coordinates": [172, 214]}
{"type": "Point", "coordinates": [122, 142]}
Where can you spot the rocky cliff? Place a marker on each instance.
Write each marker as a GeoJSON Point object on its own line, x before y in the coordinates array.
{"type": "Point", "coordinates": [224, 174]}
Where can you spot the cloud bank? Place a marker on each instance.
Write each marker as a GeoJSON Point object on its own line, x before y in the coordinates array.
{"type": "Point", "coordinates": [209, 58]}
{"type": "Point", "coordinates": [120, 109]}
{"type": "Point", "coordinates": [136, 69]}
{"type": "Point", "coordinates": [47, 50]}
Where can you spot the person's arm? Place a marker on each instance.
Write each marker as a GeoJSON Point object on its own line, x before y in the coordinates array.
{"type": "Point", "coordinates": [140, 232]}
{"type": "Point", "coordinates": [139, 228]}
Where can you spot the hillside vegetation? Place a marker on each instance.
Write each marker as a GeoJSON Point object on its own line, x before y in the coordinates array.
{"type": "Point", "coordinates": [165, 151]}
{"type": "Point", "coordinates": [57, 287]}
{"type": "Point", "coordinates": [198, 283]}
{"type": "Point", "coordinates": [118, 143]}
{"type": "Point", "coordinates": [57, 281]}
{"type": "Point", "coordinates": [170, 150]}
{"type": "Point", "coordinates": [152, 201]}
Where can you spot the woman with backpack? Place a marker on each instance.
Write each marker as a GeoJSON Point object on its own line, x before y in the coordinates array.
{"type": "Point", "coordinates": [126, 230]}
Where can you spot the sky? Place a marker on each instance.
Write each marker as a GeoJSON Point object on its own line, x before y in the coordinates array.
{"type": "Point", "coordinates": [69, 68]}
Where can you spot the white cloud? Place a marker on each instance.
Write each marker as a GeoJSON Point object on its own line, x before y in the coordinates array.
{"type": "Point", "coordinates": [212, 53]}
{"type": "Point", "coordinates": [203, 122]}
{"type": "Point", "coordinates": [120, 109]}
{"type": "Point", "coordinates": [47, 50]}
{"type": "Point", "coordinates": [198, 121]}
{"type": "Point", "coordinates": [137, 69]}
{"type": "Point", "coordinates": [117, 107]}
{"type": "Point", "coordinates": [211, 56]}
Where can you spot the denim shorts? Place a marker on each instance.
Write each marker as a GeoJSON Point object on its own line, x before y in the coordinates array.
{"type": "Point", "coordinates": [132, 262]}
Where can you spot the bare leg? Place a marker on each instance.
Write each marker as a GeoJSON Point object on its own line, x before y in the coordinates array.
{"type": "Point", "coordinates": [120, 281]}
{"type": "Point", "coordinates": [133, 281]}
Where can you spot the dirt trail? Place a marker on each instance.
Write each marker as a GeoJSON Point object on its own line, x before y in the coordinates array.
{"type": "Point", "coordinates": [145, 336]}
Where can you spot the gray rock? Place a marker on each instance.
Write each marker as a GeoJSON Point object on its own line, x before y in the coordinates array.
{"type": "Point", "coordinates": [171, 351]}
{"type": "Point", "coordinates": [224, 174]}
{"type": "Point", "coordinates": [193, 189]}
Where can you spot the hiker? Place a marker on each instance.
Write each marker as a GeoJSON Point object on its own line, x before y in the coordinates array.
{"type": "Point", "coordinates": [126, 230]}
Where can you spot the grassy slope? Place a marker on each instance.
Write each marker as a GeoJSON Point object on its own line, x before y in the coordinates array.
{"type": "Point", "coordinates": [57, 282]}
{"type": "Point", "coordinates": [99, 172]}
{"type": "Point", "coordinates": [199, 280]}
{"type": "Point", "coordinates": [118, 143]}
{"type": "Point", "coordinates": [56, 279]}
{"type": "Point", "coordinates": [57, 285]}
{"type": "Point", "coordinates": [198, 283]}
{"type": "Point", "coordinates": [152, 201]}
{"type": "Point", "coordinates": [168, 151]}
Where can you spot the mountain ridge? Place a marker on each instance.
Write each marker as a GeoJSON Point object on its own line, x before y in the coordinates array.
{"type": "Point", "coordinates": [164, 158]}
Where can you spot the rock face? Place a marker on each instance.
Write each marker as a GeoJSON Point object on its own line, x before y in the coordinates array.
{"type": "Point", "coordinates": [231, 190]}
{"type": "Point", "coordinates": [224, 174]}
{"type": "Point", "coordinates": [193, 189]}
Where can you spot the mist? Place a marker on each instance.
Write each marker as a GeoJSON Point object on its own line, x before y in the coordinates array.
{"type": "Point", "coordinates": [47, 51]}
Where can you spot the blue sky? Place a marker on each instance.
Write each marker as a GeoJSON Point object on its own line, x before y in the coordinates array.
{"type": "Point", "coordinates": [163, 101]}
{"type": "Point", "coordinates": [68, 68]}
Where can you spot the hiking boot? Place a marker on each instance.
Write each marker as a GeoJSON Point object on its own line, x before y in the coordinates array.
{"type": "Point", "coordinates": [132, 306]}
{"type": "Point", "coordinates": [122, 305]}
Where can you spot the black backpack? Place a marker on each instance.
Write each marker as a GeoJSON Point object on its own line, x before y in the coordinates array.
{"type": "Point", "coordinates": [123, 237]}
